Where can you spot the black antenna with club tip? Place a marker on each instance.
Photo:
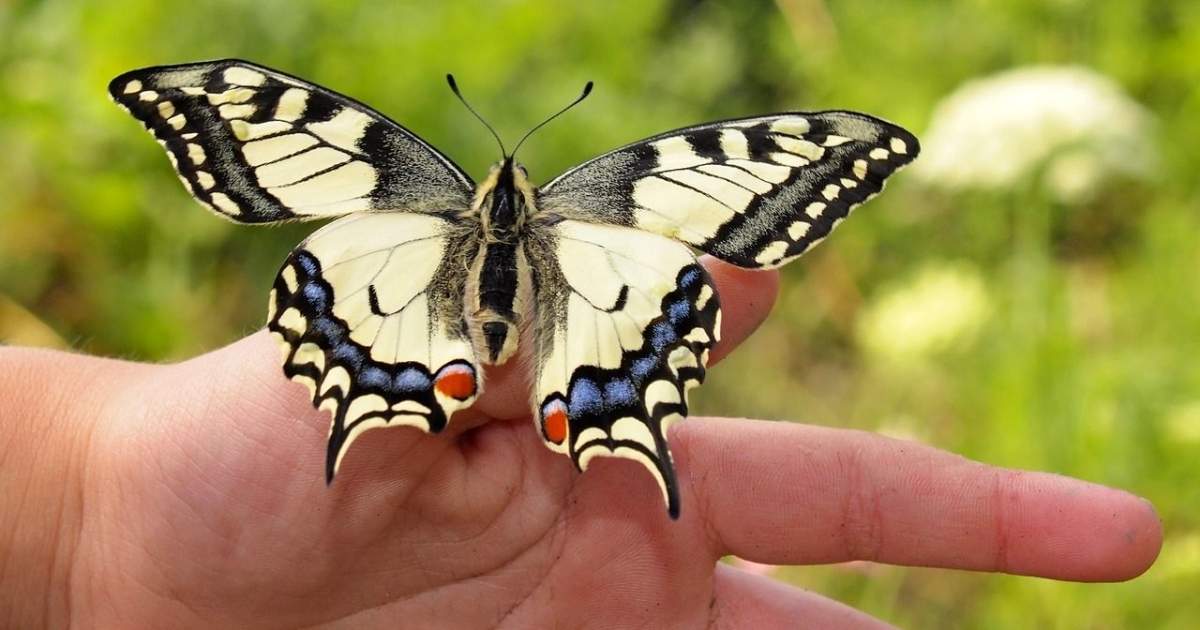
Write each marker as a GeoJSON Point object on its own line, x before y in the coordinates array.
{"type": "Point", "coordinates": [454, 88]}
{"type": "Point", "coordinates": [587, 89]}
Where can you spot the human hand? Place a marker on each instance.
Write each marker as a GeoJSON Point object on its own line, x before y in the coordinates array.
{"type": "Point", "coordinates": [193, 495]}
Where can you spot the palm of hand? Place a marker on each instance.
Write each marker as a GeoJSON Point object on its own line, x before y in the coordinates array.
{"type": "Point", "coordinates": [211, 510]}
{"type": "Point", "coordinates": [461, 532]}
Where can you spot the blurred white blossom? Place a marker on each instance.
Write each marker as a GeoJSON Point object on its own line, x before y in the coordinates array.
{"type": "Point", "coordinates": [1073, 122]}
{"type": "Point", "coordinates": [942, 306]}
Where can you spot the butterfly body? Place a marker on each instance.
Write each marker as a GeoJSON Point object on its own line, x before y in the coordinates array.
{"type": "Point", "coordinates": [389, 313]}
{"type": "Point", "coordinates": [500, 273]}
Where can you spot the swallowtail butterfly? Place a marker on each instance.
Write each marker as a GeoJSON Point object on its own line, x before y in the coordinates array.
{"type": "Point", "coordinates": [389, 313]}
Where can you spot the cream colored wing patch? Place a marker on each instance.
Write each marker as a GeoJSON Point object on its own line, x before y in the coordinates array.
{"type": "Point", "coordinates": [369, 312]}
{"type": "Point", "coordinates": [756, 192]}
{"type": "Point", "coordinates": [626, 320]}
{"type": "Point", "coordinates": [256, 145]}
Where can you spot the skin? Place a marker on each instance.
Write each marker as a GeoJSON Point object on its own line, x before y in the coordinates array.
{"type": "Point", "coordinates": [192, 495]}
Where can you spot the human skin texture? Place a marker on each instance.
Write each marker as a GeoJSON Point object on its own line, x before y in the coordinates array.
{"type": "Point", "coordinates": [192, 495]}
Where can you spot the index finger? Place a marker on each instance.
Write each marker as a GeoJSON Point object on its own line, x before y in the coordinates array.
{"type": "Point", "coordinates": [785, 493]}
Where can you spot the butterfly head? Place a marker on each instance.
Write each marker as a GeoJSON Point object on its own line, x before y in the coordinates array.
{"type": "Point", "coordinates": [504, 197]}
{"type": "Point", "coordinates": [515, 174]}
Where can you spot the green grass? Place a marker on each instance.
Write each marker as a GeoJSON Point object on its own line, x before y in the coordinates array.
{"type": "Point", "coordinates": [1079, 356]}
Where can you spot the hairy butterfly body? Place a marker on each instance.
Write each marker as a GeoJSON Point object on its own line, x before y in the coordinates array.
{"type": "Point", "coordinates": [389, 313]}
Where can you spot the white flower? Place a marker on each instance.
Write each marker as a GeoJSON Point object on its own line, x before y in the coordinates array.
{"type": "Point", "coordinates": [941, 307]}
{"type": "Point", "coordinates": [1072, 121]}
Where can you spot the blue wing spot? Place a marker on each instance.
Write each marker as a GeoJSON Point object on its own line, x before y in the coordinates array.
{"type": "Point", "coordinates": [308, 264]}
{"type": "Point", "coordinates": [411, 380]}
{"type": "Point", "coordinates": [346, 353]}
{"type": "Point", "coordinates": [329, 329]}
{"type": "Point", "coordinates": [641, 368]}
{"type": "Point", "coordinates": [661, 335]}
{"type": "Point", "coordinates": [620, 392]}
{"type": "Point", "coordinates": [679, 311]}
{"type": "Point", "coordinates": [317, 297]}
{"type": "Point", "coordinates": [689, 277]}
{"type": "Point", "coordinates": [372, 377]}
{"type": "Point", "coordinates": [585, 398]}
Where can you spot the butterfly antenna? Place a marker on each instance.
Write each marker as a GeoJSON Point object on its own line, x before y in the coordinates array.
{"type": "Point", "coordinates": [587, 89]}
{"type": "Point", "coordinates": [454, 88]}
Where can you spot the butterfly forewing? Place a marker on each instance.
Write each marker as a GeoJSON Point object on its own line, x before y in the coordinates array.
{"type": "Point", "coordinates": [625, 323]}
{"type": "Point", "coordinates": [257, 145]}
{"type": "Point", "coordinates": [756, 192]}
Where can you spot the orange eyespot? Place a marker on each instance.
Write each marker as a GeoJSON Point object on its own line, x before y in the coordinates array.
{"type": "Point", "coordinates": [554, 422]}
{"type": "Point", "coordinates": [456, 381]}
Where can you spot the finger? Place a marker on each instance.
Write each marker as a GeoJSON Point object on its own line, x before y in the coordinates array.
{"type": "Point", "coordinates": [791, 494]}
{"type": "Point", "coordinates": [41, 377]}
{"type": "Point", "coordinates": [746, 295]}
{"type": "Point", "coordinates": [746, 298]}
{"type": "Point", "coordinates": [744, 600]}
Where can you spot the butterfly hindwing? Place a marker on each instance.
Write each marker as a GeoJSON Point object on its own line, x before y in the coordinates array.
{"type": "Point", "coordinates": [756, 192]}
{"type": "Point", "coordinates": [369, 310]}
{"type": "Point", "coordinates": [257, 145]}
{"type": "Point", "coordinates": [625, 323]}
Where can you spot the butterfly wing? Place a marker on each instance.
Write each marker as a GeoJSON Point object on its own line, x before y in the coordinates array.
{"type": "Point", "coordinates": [369, 310]}
{"type": "Point", "coordinates": [624, 325]}
{"type": "Point", "coordinates": [756, 192]}
{"type": "Point", "coordinates": [257, 145]}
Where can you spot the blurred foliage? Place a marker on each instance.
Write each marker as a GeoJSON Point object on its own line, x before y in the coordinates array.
{"type": "Point", "coordinates": [1056, 336]}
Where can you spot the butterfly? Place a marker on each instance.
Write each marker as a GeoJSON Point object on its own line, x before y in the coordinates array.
{"type": "Point", "coordinates": [389, 314]}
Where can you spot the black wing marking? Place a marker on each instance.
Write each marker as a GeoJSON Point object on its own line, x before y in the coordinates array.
{"type": "Point", "coordinates": [756, 192]}
{"type": "Point", "coordinates": [257, 145]}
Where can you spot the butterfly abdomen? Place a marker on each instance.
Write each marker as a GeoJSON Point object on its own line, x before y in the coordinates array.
{"type": "Point", "coordinates": [495, 318]}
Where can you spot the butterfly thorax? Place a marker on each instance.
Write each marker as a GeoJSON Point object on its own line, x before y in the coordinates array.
{"type": "Point", "coordinates": [499, 277]}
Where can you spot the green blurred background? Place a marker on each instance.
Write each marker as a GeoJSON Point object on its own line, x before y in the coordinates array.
{"type": "Point", "coordinates": [1028, 297]}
